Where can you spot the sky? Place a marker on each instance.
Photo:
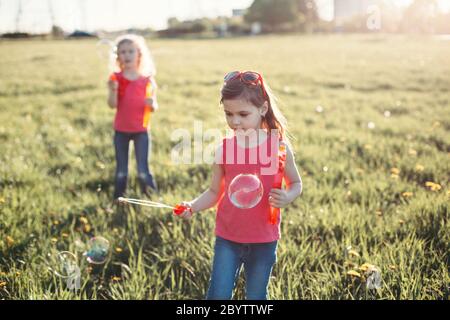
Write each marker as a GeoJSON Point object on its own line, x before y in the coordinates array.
{"type": "Point", "coordinates": [112, 15]}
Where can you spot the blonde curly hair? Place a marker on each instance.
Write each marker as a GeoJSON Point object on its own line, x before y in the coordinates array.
{"type": "Point", "coordinates": [146, 64]}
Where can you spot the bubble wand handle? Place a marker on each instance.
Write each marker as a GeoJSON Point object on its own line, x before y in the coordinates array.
{"type": "Point", "coordinates": [179, 209]}
{"type": "Point", "coordinates": [275, 212]}
{"type": "Point", "coordinates": [147, 110]}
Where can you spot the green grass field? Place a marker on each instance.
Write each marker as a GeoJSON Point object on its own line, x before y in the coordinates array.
{"type": "Point", "coordinates": [365, 185]}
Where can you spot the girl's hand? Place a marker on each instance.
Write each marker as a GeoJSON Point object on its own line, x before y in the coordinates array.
{"type": "Point", "coordinates": [186, 214]}
{"type": "Point", "coordinates": [278, 198]}
{"type": "Point", "coordinates": [149, 102]}
{"type": "Point", "coordinates": [113, 85]}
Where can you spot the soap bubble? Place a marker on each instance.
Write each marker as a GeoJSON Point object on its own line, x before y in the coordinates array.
{"type": "Point", "coordinates": [245, 191]}
{"type": "Point", "coordinates": [65, 264]}
{"type": "Point", "coordinates": [98, 250]}
{"type": "Point", "coordinates": [105, 51]}
{"type": "Point", "coordinates": [373, 278]}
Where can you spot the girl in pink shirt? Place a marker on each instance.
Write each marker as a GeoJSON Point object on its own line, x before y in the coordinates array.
{"type": "Point", "coordinates": [259, 147]}
{"type": "Point", "coordinates": [132, 92]}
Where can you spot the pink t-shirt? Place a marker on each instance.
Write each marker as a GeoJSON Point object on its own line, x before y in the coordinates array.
{"type": "Point", "coordinates": [248, 225]}
{"type": "Point", "coordinates": [131, 108]}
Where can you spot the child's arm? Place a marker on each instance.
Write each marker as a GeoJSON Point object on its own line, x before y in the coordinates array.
{"type": "Point", "coordinates": [212, 195]}
{"type": "Point", "coordinates": [112, 96]}
{"type": "Point", "coordinates": [280, 198]}
{"type": "Point", "coordinates": [152, 101]}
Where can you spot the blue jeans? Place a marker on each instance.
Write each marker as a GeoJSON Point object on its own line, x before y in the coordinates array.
{"type": "Point", "coordinates": [141, 146]}
{"type": "Point", "coordinates": [258, 260]}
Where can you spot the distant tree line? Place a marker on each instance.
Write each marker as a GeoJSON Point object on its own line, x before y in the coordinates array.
{"type": "Point", "coordinates": [302, 16]}
{"type": "Point", "coordinates": [422, 16]}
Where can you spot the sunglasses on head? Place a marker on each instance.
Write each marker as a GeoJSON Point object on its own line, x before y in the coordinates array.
{"type": "Point", "coordinates": [247, 77]}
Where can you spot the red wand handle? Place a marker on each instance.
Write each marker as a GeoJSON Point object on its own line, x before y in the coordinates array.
{"type": "Point", "coordinates": [179, 209]}
{"type": "Point", "coordinates": [274, 212]}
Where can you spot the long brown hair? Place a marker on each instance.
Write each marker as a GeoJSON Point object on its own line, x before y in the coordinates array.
{"type": "Point", "coordinates": [236, 89]}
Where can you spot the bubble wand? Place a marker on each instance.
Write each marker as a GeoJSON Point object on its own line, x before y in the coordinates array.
{"type": "Point", "coordinates": [177, 209]}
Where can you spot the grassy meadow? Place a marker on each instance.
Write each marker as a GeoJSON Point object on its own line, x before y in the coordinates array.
{"type": "Point", "coordinates": [374, 159]}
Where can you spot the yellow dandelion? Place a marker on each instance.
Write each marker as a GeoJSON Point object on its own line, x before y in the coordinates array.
{"type": "Point", "coordinates": [2, 200]}
{"type": "Point", "coordinates": [379, 213]}
{"type": "Point", "coordinates": [87, 228]}
{"type": "Point", "coordinates": [392, 267]}
{"type": "Point", "coordinates": [100, 165]}
{"type": "Point", "coordinates": [401, 221]}
{"type": "Point", "coordinates": [367, 146]}
{"type": "Point", "coordinates": [119, 250]}
{"type": "Point", "coordinates": [419, 168]}
{"type": "Point", "coordinates": [17, 273]}
{"type": "Point", "coordinates": [54, 240]}
{"type": "Point", "coordinates": [2, 274]}
{"type": "Point", "coordinates": [395, 171]}
{"type": "Point", "coordinates": [354, 273]}
{"type": "Point", "coordinates": [9, 241]}
{"type": "Point", "coordinates": [433, 186]}
{"type": "Point", "coordinates": [366, 266]}
{"type": "Point", "coordinates": [65, 235]}
{"type": "Point", "coordinates": [115, 231]}
{"type": "Point", "coordinates": [55, 222]}
{"type": "Point", "coordinates": [353, 253]}
{"type": "Point", "coordinates": [116, 278]}
{"type": "Point", "coordinates": [412, 152]}
{"type": "Point", "coordinates": [84, 220]}
{"type": "Point", "coordinates": [349, 193]}
{"type": "Point", "coordinates": [407, 194]}
{"type": "Point", "coordinates": [2, 284]}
